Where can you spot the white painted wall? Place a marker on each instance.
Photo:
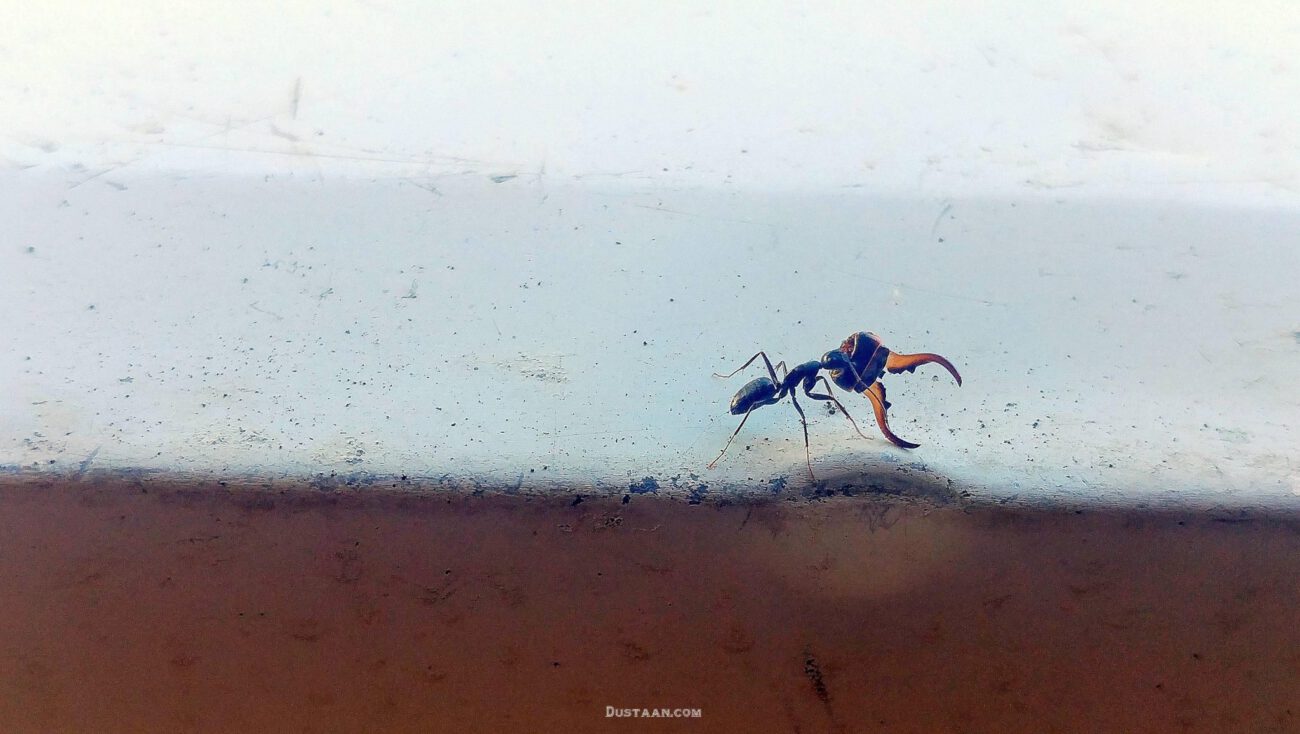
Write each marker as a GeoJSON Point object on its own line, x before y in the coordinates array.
{"type": "Point", "coordinates": [511, 243]}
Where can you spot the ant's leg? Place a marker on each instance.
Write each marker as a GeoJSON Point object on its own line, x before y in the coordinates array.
{"type": "Point", "coordinates": [827, 396]}
{"type": "Point", "coordinates": [909, 362]}
{"type": "Point", "coordinates": [876, 394]}
{"type": "Point", "coordinates": [766, 361]}
{"type": "Point", "coordinates": [733, 435]}
{"type": "Point", "coordinates": [807, 450]}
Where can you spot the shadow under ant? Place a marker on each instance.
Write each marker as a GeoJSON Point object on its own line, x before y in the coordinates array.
{"type": "Point", "coordinates": [846, 476]}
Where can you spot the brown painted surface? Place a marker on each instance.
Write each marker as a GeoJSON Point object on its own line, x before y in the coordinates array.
{"type": "Point", "coordinates": [129, 607]}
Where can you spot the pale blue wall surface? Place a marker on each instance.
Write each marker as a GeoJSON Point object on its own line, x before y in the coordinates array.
{"type": "Point", "coordinates": [376, 240]}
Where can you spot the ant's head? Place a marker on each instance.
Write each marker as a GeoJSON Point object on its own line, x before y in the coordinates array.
{"type": "Point", "coordinates": [863, 341]}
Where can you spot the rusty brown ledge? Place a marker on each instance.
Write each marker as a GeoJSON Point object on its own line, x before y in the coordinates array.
{"type": "Point", "coordinates": [139, 605]}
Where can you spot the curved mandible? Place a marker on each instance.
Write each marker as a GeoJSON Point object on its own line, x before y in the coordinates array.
{"type": "Point", "coordinates": [896, 363]}
{"type": "Point", "coordinates": [876, 394]}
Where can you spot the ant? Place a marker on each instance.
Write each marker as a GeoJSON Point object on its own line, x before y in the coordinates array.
{"type": "Point", "coordinates": [856, 366]}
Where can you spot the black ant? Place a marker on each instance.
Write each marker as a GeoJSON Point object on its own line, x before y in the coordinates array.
{"type": "Point", "coordinates": [856, 366]}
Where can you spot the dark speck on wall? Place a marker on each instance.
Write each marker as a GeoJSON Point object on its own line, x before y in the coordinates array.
{"type": "Point", "coordinates": [697, 494]}
{"type": "Point", "coordinates": [649, 484]}
{"type": "Point", "coordinates": [813, 672]}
